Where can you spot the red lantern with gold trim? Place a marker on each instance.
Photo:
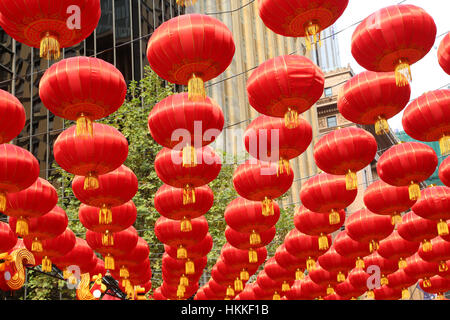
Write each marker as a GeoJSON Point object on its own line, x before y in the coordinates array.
{"type": "Point", "coordinates": [351, 249]}
{"type": "Point", "coordinates": [311, 290]}
{"type": "Point", "coordinates": [444, 53]}
{"type": "Point", "coordinates": [279, 274]}
{"type": "Point", "coordinates": [290, 262]}
{"type": "Point", "coordinates": [332, 261]}
{"type": "Point", "coordinates": [440, 253]}
{"type": "Point", "coordinates": [401, 280]}
{"type": "Point", "coordinates": [417, 229]}
{"type": "Point", "coordinates": [421, 269]}
{"type": "Point", "coordinates": [444, 172]}
{"type": "Point", "coordinates": [324, 277]}
{"type": "Point", "coordinates": [7, 237]}
{"type": "Point", "coordinates": [81, 256]}
{"type": "Point", "coordinates": [437, 285]}
{"type": "Point", "coordinates": [347, 290]}
{"type": "Point", "coordinates": [243, 259]}
{"type": "Point", "coordinates": [398, 249]}
{"type": "Point", "coordinates": [241, 240]}
{"type": "Point", "coordinates": [385, 292]}
{"type": "Point", "coordinates": [386, 266]}
{"type": "Point", "coordinates": [10, 109]}
{"type": "Point", "coordinates": [195, 251]}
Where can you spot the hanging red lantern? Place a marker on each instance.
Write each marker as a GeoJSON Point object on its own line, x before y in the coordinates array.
{"type": "Point", "coordinates": [268, 284]}
{"type": "Point", "coordinates": [407, 164]}
{"type": "Point", "coordinates": [368, 227]}
{"type": "Point", "coordinates": [169, 168]}
{"type": "Point", "coordinates": [325, 193]}
{"type": "Point", "coordinates": [124, 242]}
{"type": "Point", "coordinates": [348, 291]}
{"type": "Point", "coordinates": [421, 269]}
{"type": "Point", "coordinates": [285, 87]}
{"type": "Point", "coordinates": [371, 98]}
{"type": "Point", "coordinates": [427, 118]}
{"type": "Point", "coordinates": [351, 249]}
{"type": "Point", "coordinates": [157, 295]}
{"type": "Point", "coordinates": [440, 253]}
{"type": "Point", "coordinates": [243, 259]}
{"type": "Point", "coordinates": [417, 229]}
{"type": "Point", "coordinates": [444, 172]}
{"type": "Point", "coordinates": [398, 249]}
{"type": "Point", "coordinates": [10, 109]}
{"type": "Point", "coordinates": [290, 262]}
{"type": "Point", "coordinates": [279, 274]}
{"type": "Point", "coordinates": [301, 18]}
{"type": "Point", "coordinates": [401, 280]}
{"type": "Point", "coordinates": [19, 171]}
{"type": "Point", "coordinates": [358, 278]}
{"type": "Point", "coordinates": [115, 189]}
{"type": "Point", "coordinates": [39, 24]}
{"type": "Point", "coordinates": [345, 152]}
{"type": "Point", "coordinates": [81, 256]}
{"type": "Point", "coordinates": [172, 293]}
{"type": "Point", "coordinates": [241, 240]}
{"type": "Point", "coordinates": [45, 227]}
{"type": "Point", "coordinates": [134, 257]}
{"type": "Point", "coordinates": [198, 123]}
{"type": "Point", "coordinates": [7, 237]}
{"type": "Point", "coordinates": [99, 268]}
{"type": "Point", "coordinates": [382, 198]}
{"type": "Point", "coordinates": [245, 216]}
{"type": "Point", "coordinates": [34, 201]}
{"type": "Point", "coordinates": [191, 56]}
{"type": "Point", "coordinates": [434, 204]}
{"type": "Point", "coordinates": [304, 247]}
{"type": "Point", "coordinates": [195, 251]}
{"type": "Point", "coordinates": [53, 248]}
{"type": "Point", "coordinates": [386, 266]}
{"type": "Point", "coordinates": [332, 261]}
{"type": "Point", "coordinates": [415, 33]}
{"type": "Point", "coordinates": [258, 181]}
{"type": "Point", "coordinates": [246, 294]}
{"type": "Point", "coordinates": [268, 137]}
{"type": "Point", "coordinates": [444, 53]}
{"type": "Point", "coordinates": [387, 293]}
{"type": "Point", "coordinates": [437, 285]}
{"type": "Point", "coordinates": [178, 270]}
{"type": "Point", "coordinates": [324, 277]}
{"type": "Point", "coordinates": [225, 278]}
{"type": "Point", "coordinates": [91, 156]}
{"type": "Point", "coordinates": [312, 291]}
{"type": "Point", "coordinates": [296, 292]}
{"type": "Point", "coordinates": [169, 202]}
{"type": "Point", "coordinates": [317, 224]}
{"type": "Point", "coordinates": [82, 89]}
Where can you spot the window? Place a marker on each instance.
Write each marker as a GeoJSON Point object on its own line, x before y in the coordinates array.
{"type": "Point", "coordinates": [328, 92]}
{"type": "Point", "coordinates": [331, 122]}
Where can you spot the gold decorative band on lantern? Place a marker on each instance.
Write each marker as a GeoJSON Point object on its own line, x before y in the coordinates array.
{"type": "Point", "coordinates": [403, 73]}
{"type": "Point", "coordinates": [189, 155]}
{"type": "Point", "coordinates": [414, 191]}
{"type": "Point", "coordinates": [323, 242]}
{"type": "Point", "coordinates": [291, 119]}
{"type": "Point", "coordinates": [426, 282]}
{"type": "Point", "coordinates": [238, 285]}
{"type": "Point", "coordinates": [185, 225]}
{"type": "Point", "coordinates": [384, 280]}
{"type": "Point", "coordinates": [196, 89]}
{"type": "Point", "coordinates": [252, 256]}
{"type": "Point", "coordinates": [22, 227]}
{"type": "Point", "coordinates": [255, 238]}
{"type": "Point", "coordinates": [189, 267]}
{"type": "Point", "coordinates": [91, 181]}
{"type": "Point", "coordinates": [351, 180]}
{"type": "Point", "coordinates": [108, 239]}
{"type": "Point", "coordinates": [186, 3]}
{"type": "Point", "coordinates": [381, 126]}
{"type": "Point", "coordinates": [405, 294]}
{"type": "Point", "coordinates": [188, 195]}
{"type": "Point", "coordinates": [443, 267]}
{"type": "Point", "coordinates": [312, 32]}
{"type": "Point", "coordinates": [84, 126]}
{"type": "Point", "coordinates": [267, 207]}
{"type": "Point", "coordinates": [396, 219]}
{"type": "Point", "coordinates": [244, 275]}
{"type": "Point", "coordinates": [181, 252]}
{"type": "Point", "coordinates": [50, 48]}
{"type": "Point", "coordinates": [444, 145]}
{"type": "Point", "coordinates": [36, 245]}
{"type": "Point", "coordinates": [105, 215]}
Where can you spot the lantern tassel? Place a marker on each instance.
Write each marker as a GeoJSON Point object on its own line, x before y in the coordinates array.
{"type": "Point", "coordinates": [189, 157]}
{"type": "Point", "coordinates": [444, 144]}
{"type": "Point", "coordinates": [188, 195]}
{"type": "Point", "coordinates": [310, 264]}
{"type": "Point", "coordinates": [402, 264]}
{"type": "Point", "coordinates": [196, 89]}
{"type": "Point", "coordinates": [238, 285]}
{"type": "Point", "coordinates": [291, 119]}
{"type": "Point", "coordinates": [442, 228]}
{"type": "Point", "coordinates": [109, 262]}
{"type": "Point", "coordinates": [50, 48]}
{"type": "Point", "coordinates": [244, 276]}
{"type": "Point", "coordinates": [108, 239]}
{"type": "Point", "coordinates": [312, 35]}
{"type": "Point", "coordinates": [184, 281]}
{"type": "Point", "coordinates": [323, 242]}
{"type": "Point", "coordinates": [360, 263]}
{"type": "Point", "coordinates": [230, 291]}
{"type": "Point", "coordinates": [181, 253]}
{"type": "Point", "coordinates": [283, 166]}
{"type": "Point", "coordinates": [84, 126]}
{"type": "Point", "coordinates": [334, 218]}
{"type": "Point", "coordinates": [340, 277]}
{"type": "Point", "coordinates": [381, 126]}
{"type": "Point", "coordinates": [267, 207]}
{"type": "Point", "coordinates": [22, 227]}
{"type": "Point", "coordinates": [91, 182]}
{"type": "Point", "coordinates": [405, 294]}
{"type": "Point", "coordinates": [180, 292]}
{"type": "Point", "coordinates": [36, 246]}
{"type": "Point", "coordinates": [427, 246]}
{"type": "Point", "coordinates": [299, 275]}
{"type": "Point", "coordinates": [403, 74]}
{"type": "Point", "coordinates": [384, 281]}
{"type": "Point", "coordinates": [252, 256]}
{"type": "Point", "coordinates": [374, 245]}
{"type": "Point", "coordinates": [396, 219]}
{"type": "Point", "coordinates": [186, 225]}
{"type": "Point", "coordinates": [276, 296]}
{"type": "Point", "coordinates": [414, 191]}
{"type": "Point", "coordinates": [46, 264]}
{"type": "Point", "coordinates": [351, 180]}
{"type": "Point", "coordinates": [105, 215]}
{"type": "Point", "coordinates": [255, 238]}
{"type": "Point", "coordinates": [443, 267]}
{"type": "Point", "coordinates": [370, 294]}
{"type": "Point", "coordinates": [2, 201]}
{"type": "Point", "coordinates": [186, 3]}
{"type": "Point", "coordinates": [189, 267]}
{"type": "Point", "coordinates": [285, 287]}
{"type": "Point", "coordinates": [426, 283]}
{"type": "Point", "coordinates": [330, 290]}
{"type": "Point", "coordinates": [124, 272]}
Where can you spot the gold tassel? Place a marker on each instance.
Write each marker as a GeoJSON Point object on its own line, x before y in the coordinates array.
{"type": "Point", "coordinates": [444, 144]}
{"type": "Point", "coordinates": [244, 276]}
{"type": "Point", "coordinates": [188, 195]}
{"type": "Point", "coordinates": [334, 218]}
{"type": "Point", "coordinates": [442, 228]}
{"type": "Point", "coordinates": [196, 89]}
{"type": "Point", "coordinates": [443, 267]}
{"type": "Point", "coordinates": [405, 294]}
{"type": "Point", "coordinates": [2, 201]}
{"type": "Point", "coordinates": [186, 225]}
{"type": "Point", "coordinates": [267, 207]}
{"type": "Point", "coordinates": [227, 298]}
{"type": "Point", "coordinates": [230, 291]}
{"type": "Point", "coordinates": [84, 126]}
{"type": "Point", "coordinates": [50, 48]}
{"type": "Point", "coordinates": [91, 182]}
{"type": "Point", "coordinates": [36, 246]}
{"type": "Point", "coordinates": [46, 264]}
{"type": "Point", "coordinates": [22, 227]}
{"type": "Point", "coordinates": [109, 262]}
{"type": "Point", "coordinates": [360, 263]}
{"type": "Point", "coordinates": [283, 166]}
{"type": "Point", "coordinates": [427, 246]}
{"type": "Point", "coordinates": [370, 294]}
{"type": "Point", "coordinates": [310, 264]}
{"type": "Point", "coordinates": [312, 35]}
{"type": "Point", "coordinates": [67, 274]}
{"type": "Point", "coordinates": [374, 246]}
{"type": "Point", "coordinates": [189, 157]}
{"type": "Point", "coordinates": [238, 285]}
{"type": "Point", "coordinates": [126, 284]}
{"type": "Point", "coordinates": [351, 180]}
{"type": "Point", "coordinates": [384, 281]}
{"type": "Point", "coordinates": [181, 253]}
{"type": "Point", "coordinates": [186, 3]}
{"type": "Point", "coordinates": [105, 215]}
{"type": "Point", "coordinates": [108, 239]}
{"type": "Point", "coordinates": [124, 272]}
{"type": "Point", "coordinates": [291, 119]}
{"type": "Point", "coordinates": [299, 275]}
{"type": "Point", "coordinates": [285, 287]}
{"type": "Point", "coordinates": [402, 264]}
{"type": "Point", "coordinates": [414, 191]}
{"type": "Point", "coordinates": [426, 283]}
{"type": "Point", "coordinates": [340, 277]}
{"type": "Point", "coordinates": [396, 219]}
{"type": "Point", "coordinates": [184, 281]}
{"type": "Point", "coordinates": [323, 242]}
{"type": "Point", "coordinates": [255, 238]}
{"type": "Point", "coordinates": [276, 296]}
{"type": "Point", "coordinates": [403, 74]}
{"type": "Point", "coordinates": [252, 256]}
{"type": "Point", "coordinates": [189, 267]}
{"type": "Point", "coordinates": [381, 126]}
{"type": "Point", "coordinates": [180, 292]}
{"type": "Point", "coordinates": [330, 290]}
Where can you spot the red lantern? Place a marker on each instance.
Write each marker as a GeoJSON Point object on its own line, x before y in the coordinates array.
{"type": "Point", "coordinates": [324, 277]}
{"type": "Point", "coordinates": [259, 181]}
{"type": "Point", "coordinates": [386, 266]}
{"type": "Point", "coordinates": [372, 98]}
{"type": "Point", "coordinates": [332, 261]}
{"type": "Point", "coordinates": [365, 226]}
{"type": "Point", "coordinates": [347, 291]}
{"type": "Point", "coordinates": [325, 193]}
{"type": "Point", "coordinates": [290, 262]}
{"type": "Point", "coordinates": [191, 55]}
{"type": "Point", "coordinates": [20, 170]}
{"type": "Point", "coordinates": [416, 229]}
{"type": "Point", "coordinates": [415, 33]}
{"type": "Point", "coordinates": [7, 238]}
{"type": "Point", "coordinates": [45, 227]}
{"type": "Point", "coordinates": [444, 172]}
{"type": "Point", "coordinates": [246, 294]}
{"type": "Point", "coordinates": [241, 240]}
{"type": "Point", "coordinates": [197, 124]}
{"type": "Point", "coordinates": [177, 267]}
{"type": "Point", "coordinates": [407, 164]}
{"type": "Point", "coordinates": [401, 280]}
{"type": "Point", "coordinates": [444, 53]}
{"type": "Point", "coordinates": [35, 201]}
{"type": "Point", "coordinates": [398, 249]}
{"type": "Point", "coordinates": [53, 248]}
{"type": "Point", "coordinates": [279, 274]}
{"type": "Point", "coordinates": [39, 24]}
{"type": "Point", "coordinates": [427, 118]}
{"type": "Point", "coordinates": [421, 269]}
{"type": "Point", "coordinates": [268, 284]}
{"type": "Point", "coordinates": [317, 224]}
{"type": "Point", "coordinates": [440, 253]}
{"type": "Point", "coordinates": [358, 278]}
{"type": "Point", "coordinates": [435, 205]}
{"type": "Point", "coordinates": [437, 285]}
{"type": "Point", "coordinates": [134, 257]}
{"type": "Point", "coordinates": [345, 152]}
{"type": "Point", "coordinates": [267, 138]}
{"type": "Point", "coordinates": [82, 89]}
{"type": "Point", "coordinates": [294, 18]}
{"type": "Point", "coordinates": [240, 258]}
{"type": "Point", "coordinates": [81, 256]}
{"type": "Point", "coordinates": [296, 292]}
{"type": "Point", "coordinates": [10, 109]}
{"type": "Point", "coordinates": [261, 294]}
{"type": "Point", "coordinates": [91, 156]}
{"type": "Point", "coordinates": [99, 268]}
{"type": "Point", "coordinates": [169, 168]}
{"type": "Point", "coordinates": [195, 251]}
{"type": "Point", "coordinates": [285, 87]}
{"type": "Point", "coordinates": [387, 293]}
{"type": "Point", "coordinates": [173, 294]}
{"type": "Point", "coordinates": [157, 295]}
{"type": "Point", "coordinates": [351, 249]}
{"type": "Point", "coordinates": [169, 202]}
{"type": "Point", "coordinates": [310, 290]}
{"type": "Point", "coordinates": [115, 189]}
{"type": "Point", "coordinates": [245, 216]}
{"type": "Point", "coordinates": [382, 198]}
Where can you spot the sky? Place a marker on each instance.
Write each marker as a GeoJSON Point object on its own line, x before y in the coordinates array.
{"type": "Point", "coordinates": [427, 74]}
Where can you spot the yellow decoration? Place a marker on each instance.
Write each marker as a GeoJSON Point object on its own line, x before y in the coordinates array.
{"type": "Point", "coordinates": [360, 263]}
{"type": "Point", "coordinates": [310, 264]}
{"type": "Point", "coordinates": [299, 275]}
{"type": "Point", "coordinates": [405, 294]}
{"type": "Point", "coordinates": [50, 48]}
{"type": "Point", "coordinates": [285, 287]}
{"type": "Point", "coordinates": [334, 218]}
{"type": "Point", "coordinates": [255, 238]}
{"type": "Point", "coordinates": [196, 89]}
{"type": "Point", "coordinates": [403, 74]}
{"type": "Point", "coordinates": [91, 182]}
{"type": "Point", "coordinates": [244, 276]}
{"type": "Point", "coordinates": [312, 35]}
{"type": "Point", "coordinates": [181, 253]}
{"type": "Point", "coordinates": [105, 215]}
{"type": "Point", "coordinates": [238, 285]}
{"type": "Point", "coordinates": [22, 227]}
{"type": "Point", "coordinates": [252, 256]}
{"type": "Point", "coordinates": [189, 157]}
{"type": "Point", "coordinates": [108, 239]}
{"type": "Point", "coordinates": [323, 242]}
{"type": "Point", "coordinates": [444, 144]}
{"type": "Point", "coordinates": [283, 166]}
{"type": "Point", "coordinates": [188, 195]}
{"type": "Point", "coordinates": [189, 267]}
{"type": "Point", "coordinates": [186, 225]}
{"type": "Point", "coordinates": [381, 126]}
{"type": "Point", "coordinates": [36, 246]}
{"type": "Point", "coordinates": [340, 277]}
{"type": "Point", "coordinates": [414, 191]}
{"type": "Point", "coordinates": [84, 126]}
{"type": "Point", "coordinates": [291, 119]}
{"type": "Point", "coordinates": [109, 262]}
{"type": "Point", "coordinates": [267, 207]}
{"type": "Point", "coordinates": [442, 228]}
{"type": "Point", "coordinates": [402, 264]}
{"type": "Point", "coordinates": [351, 180]}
